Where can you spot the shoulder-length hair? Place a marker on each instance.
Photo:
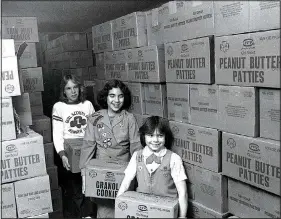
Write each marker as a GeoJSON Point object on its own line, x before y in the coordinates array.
{"type": "Point", "coordinates": [102, 95]}
{"type": "Point", "coordinates": [155, 122]}
{"type": "Point", "coordinates": [74, 79]}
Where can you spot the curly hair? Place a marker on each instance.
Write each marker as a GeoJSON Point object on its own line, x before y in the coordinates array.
{"type": "Point", "coordinates": [155, 122]}
{"type": "Point", "coordinates": [74, 79]}
{"type": "Point", "coordinates": [102, 95]}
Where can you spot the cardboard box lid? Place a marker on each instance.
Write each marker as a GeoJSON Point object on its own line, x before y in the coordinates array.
{"type": "Point", "coordinates": [107, 165]}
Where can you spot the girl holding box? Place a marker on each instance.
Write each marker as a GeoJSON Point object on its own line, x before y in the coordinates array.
{"type": "Point", "coordinates": [158, 170]}
{"type": "Point", "coordinates": [111, 134]}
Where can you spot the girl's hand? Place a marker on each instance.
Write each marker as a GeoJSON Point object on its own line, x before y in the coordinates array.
{"type": "Point", "coordinates": [65, 162]}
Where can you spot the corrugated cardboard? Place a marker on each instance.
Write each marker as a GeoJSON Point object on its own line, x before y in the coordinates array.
{"type": "Point", "coordinates": [102, 37]}
{"type": "Point", "coordinates": [140, 205]}
{"type": "Point", "coordinates": [49, 154]}
{"type": "Point", "coordinates": [197, 210]}
{"type": "Point", "coordinates": [252, 160]}
{"type": "Point", "coordinates": [269, 113]}
{"type": "Point", "coordinates": [238, 110]}
{"type": "Point", "coordinates": [187, 24]}
{"type": "Point", "coordinates": [33, 196]}
{"type": "Point", "coordinates": [36, 104]}
{"type": "Point", "coordinates": [137, 93]}
{"type": "Point", "coordinates": [231, 17]}
{"type": "Point", "coordinates": [23, 158]}
{"type": "Point", "coordinates": [146, 64]}
{"type": "Point", "coordinates": [264, 15]}
{"type": "Point", "coordinates": [210, 189]}
{"type": "Point", "coordinates": [29, 57]}
{"type": "Point", "coordinates": [8, 201]}
{"type": "Point", "coordinates": [10, 77]}
{"type": "Point", "coordinates": [178, 102]}
{"type": "Point", "coordinates": [92, 73]}
{"type": "Point", "coordinates": [80, 73]}
{"type": "Point", "coordinates": [100, 66]}
{"type": "Point", "coordinates": [73, 150]}
{"type": "Point", "coordinates": [155, 97]}
{"type": "Point", "coordinates": [42, 125]}
{"type": "Point", "coordinates": [140, 119]}
{"type": "Point", "coordinates": [73, 42]}
{"type": "Point", "coordinates": [20, 29]}
{"type": "Point", "coordinates": [23, 109]}
{"type": "Point", "coordinates": [189, 171]}
{"type": "Point", "coordinates": [7, 48]}
{"type": "Point", "coordinates": [197, 145]}
{"type": "Point", "coordinates": [32, 79]}
{"type": "Point", "coordinates": [190, 61]}
{"type": "Point", "coordinates": [129, 31]}
{"type": "Point", "coordinates": [89, 37]}
{"type": "Point", "coordinates": [246, 201]}
{"type": "Point", "coordinates": [7, 127]}
{"type": "Point", "coordinates": [204, 101]}
{"type": "Point", "coordinates": [251, 59]}
{"type": "Point", "coordinates": [99, 86]}
{"type": "Point", "coordinates": [116, 65]}
{"type": "Point", "coordinates": [57, 199]}
{"type": "Point", "coordinates": [53, 176]}
{"type": "Point", "coordinates": [103, 178]}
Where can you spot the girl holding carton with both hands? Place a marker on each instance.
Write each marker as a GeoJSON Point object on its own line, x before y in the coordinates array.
{"type": "Point", "coordinates": [158, 170]}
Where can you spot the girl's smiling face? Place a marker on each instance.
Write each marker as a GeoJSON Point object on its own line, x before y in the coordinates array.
{"type": "Point", "coordinates": [115, 99]}
{"type": "Point", "coordinates": [155, 141]}
{"type": "Point", "coordinates": [71, 91]}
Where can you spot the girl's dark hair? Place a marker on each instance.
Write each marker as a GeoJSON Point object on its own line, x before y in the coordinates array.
{"type": "Point", "coordinates": [102, 95]}
{"type": "Point", "coordinates": [74, 79]}
{"type": "Point", "coordinates": [155, 122]}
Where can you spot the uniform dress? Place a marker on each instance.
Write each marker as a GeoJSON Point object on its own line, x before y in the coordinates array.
{"type": "Point", "coordinates": [110, 141]}
{"type": "Point", "coordinates": [69, 122]}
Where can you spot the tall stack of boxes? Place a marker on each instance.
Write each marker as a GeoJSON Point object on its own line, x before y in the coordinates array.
{"type": "Point", "coordinates": [29, 108]}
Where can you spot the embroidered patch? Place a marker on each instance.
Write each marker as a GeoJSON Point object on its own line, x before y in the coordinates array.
{"type": "Point", "coordinates": [165, 168]}
{"type": "Point", "coordinates": [97, 119]}
{"type": "Point", "coordinates": [104, 134]}
{"type": "Point", "coordinates": [100, 126]}
{"type": "Point", "coordinates": [140, 168]}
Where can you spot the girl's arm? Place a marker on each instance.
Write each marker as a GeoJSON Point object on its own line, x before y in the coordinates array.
{"type": "Point", "coordinates": [135, 144]}
{"type": "Point", "coordinates": [130, 174]}
{"type": "Point", "coordinates": [183, 198]}
{"type": "Point", "coordinates": [57, 124]}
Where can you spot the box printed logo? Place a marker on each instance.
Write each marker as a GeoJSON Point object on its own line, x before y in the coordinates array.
{"type": "Point", "coordinates": [175, 130]}
{"type": "Point", "coordinates": [93, 174]}
{"type": "Point", "coordinates": [184, 48]}
{"type": "Point", "coordinates": [224, 46]}
{"type": "Point", "coordinates": [231, 143]}
{"type": "Point", "coordinates": [123, 206]}
{"type": "Point", "coordinates": [9, 88]}
{"type": "Point", "coordinates": [142, 208]}
{"type": "Point", "coordinates": [170, 50]}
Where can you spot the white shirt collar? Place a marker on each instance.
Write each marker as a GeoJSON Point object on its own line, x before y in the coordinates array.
{"type": "Point", "coordinates": [147, 152]}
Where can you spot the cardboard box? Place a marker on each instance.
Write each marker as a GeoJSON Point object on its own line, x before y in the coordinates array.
{"type": "Point", "coordinates": [36, 104]}
{"type": "Point", "coordinates": [102, 37]}
{"type": "Point", "coordinates": [92, 73]}
{"type": "Point", "coordinates": [10, 77]}
{"type": "Point", "coordinates": [23, 109]}
{"type": "Point", "coordinates": [73, 150]}
{"type": "Point", "coordinates": [115, 65]}
{"type": "Point", "coordinates": [197, 210]}
{"type": "Point", "coordinates": [100, 65]}
{"type": "Point", "coordinates": [57, 199]}
{"type": "Point", "coordinates": [238, 110]}
{"type": "Point", "coordinates": [140, 205]}
{"type": "Point", "coordinates": [190, 61]}
{"type": "Point", "coordinates": [53, 176]}
{"type": "Point", "coordinates": [140, 119]}
{"type": "Point", "coordinates": [189, 171]}
{"type": "Point", "coordinates": [156, 17]}
{"type": "Point", "coordinates": [77, 59]}
{"type": "Point", "coordinates": [210, 189]}
{"type": "Point", "coordinates": [269, 113]}
{"type": "Point", "coordinates": [40, 216]}
{"type": "Point", "coordinates": [129, 31]}
{"type": "Point", "coordinates": [33, 196]}
{"type": "Point", "coordinates": [146, 64]}
{"type": "Point", "coordinates": [204, 101]}
{"type": "Point", "coordinates": [7, 48]}
{"type": "Point", "coordinates": [155, 98]}
{"type": "Point", "coordinates": [103, 178]}
{"type": "Point", "coordinates": [178, 102]}
{"type": "Point", "coordinates": [250, 59]}
{"type": "Point", "coordinates": [8, 201]}
{"type": "Point", "coordinates": [137, 93]}
{"type": "Point", "coordinates": [32, 79]}
{"type": "Point", "coordinates": [29, 57]}
{"type": "Point", "coordinates": [7, 127]}
{"type": "Point", "coordinates": [73, 42]}
{"type": "Point", "coordinates": [49, 154]}
{"type": "Point", "coordinates": [231, 17]}
{"type": "Point", "coordinates": [264, 15]}
{"type": "Point", "coordinates": [89, 37]}
{"type": "Point", "coordinates": [197, 145]}
{"type": "Point", "coordinates": [246, 201]}
{"type": "Point", "coordinates": [80, 73]}
{"type": "Point", "coordinates": [42, 125]}
{"type": "Point", "coordinates": [20, 29]}
{"type": "Point", "coordinates": [99, 86]}
{"type": "Point", "coordinates": [187, 24]}
{"type": "Point", "coordinates": [23, 158]}
{"type": "Point", "coordinates": [252, 160]}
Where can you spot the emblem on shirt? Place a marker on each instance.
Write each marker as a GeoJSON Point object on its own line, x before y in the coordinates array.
{"type": "Point", "coordinates": [106, 142]}
{"type": "Point", "coordinates": [77, 122]}
{"type": "Point", "coordinates": [140, 168]}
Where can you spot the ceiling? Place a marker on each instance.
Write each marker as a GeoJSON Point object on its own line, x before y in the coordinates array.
{"type": "Point", "coordinates": [73, 16]}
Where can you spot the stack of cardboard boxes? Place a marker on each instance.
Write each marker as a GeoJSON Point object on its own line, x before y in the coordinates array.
{"type": "Point", "coordinates": [21, 37]}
